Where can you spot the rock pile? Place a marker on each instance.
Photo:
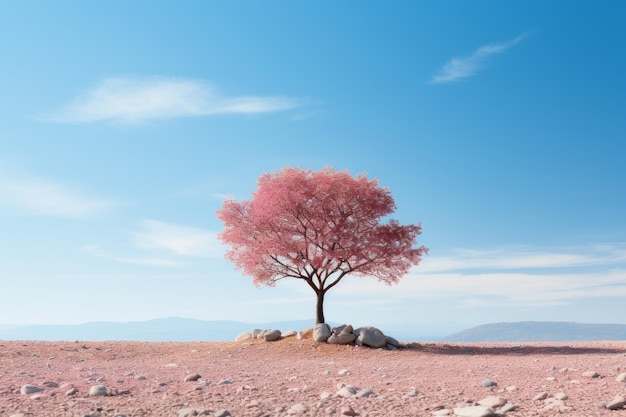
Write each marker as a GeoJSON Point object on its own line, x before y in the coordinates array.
{"type": "Point", "coordinates": [345, 334]}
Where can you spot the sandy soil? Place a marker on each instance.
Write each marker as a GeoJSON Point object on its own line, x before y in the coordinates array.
{"type": "Point", "coordinates": [301, 377]}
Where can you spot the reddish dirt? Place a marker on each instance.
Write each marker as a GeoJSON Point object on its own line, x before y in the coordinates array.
{"type": "Point", "coordinates": [269, 378]}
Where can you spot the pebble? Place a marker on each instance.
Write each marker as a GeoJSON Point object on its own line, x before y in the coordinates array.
{"type": "Point", "coordinates": [561, 396]}
{"type": "Point", "coordinates": [222, 413]}
{"type": "Point", "coordinates": [442, 412]}
{"type": "Point", "coordinates": [348, 411]}
{"type": "Point", "coordinates": [541, 396]}
{"type": "Point", "coordinates": [616, 403]}
{"type": "Point", "coordinates": [492, 401]}
{"type": "Point", "coordinates": [346, 392]}
{"type": "Point", "coordinates": [72, 391]}
{"type": "Point", "coordinates": [30, 389]}
{"type": "Point", "coordinates": [192, 377]}
{"type": "Point", "coordinates": [343, 372]}
{"type": "Point", "coordinates": [621, 377]}
{"type": "Point", "coordinates": [298, 408]}
{"type": "Point", "coordinates": [97, 390]}
{"type": "Point", "coordinates": [225, 382]}
{"type": "Point", "coordinates": [411, 394]}
{"type": "Point", "coordinates": [591, 374]}
{"type": "Point", "coordinates": [364, 393]}
{"type": "Point", "coordinates": [187, 412]}
{"type": "Point", "coordinates": [489, 383]}
{"type": "Point", "coordinates": [474, 411]}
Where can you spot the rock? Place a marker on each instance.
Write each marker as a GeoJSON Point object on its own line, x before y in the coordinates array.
{"type": "Point", "coordinates": [49, 384]}
{"type": "Point", "coordinates": [30, 389]}
{"type": "Point", "coordinates": [289, 333]}
{"type": "Point", "coordinates": [506, 408]}
{"type": "Point", "coordinates": [298, 408]}
{"type": "Point", "coordinates": [225, 382]}
{"type": "Point", "coordinates": [621, 377]}
{"type": "Point", "coordinates": [489, 383]}
{"type": "Point", "coordinates": [140, 378]}
{"type": "Point", "coordinates": [364, 393]}
{"type": "Point", "coordinates": [97, 390]}
{"type": "Point", "coordinates": [325, 395]}
{"type": "Point", "coordinates": [222, 413]}
{"type": "Point", "coordinates": [256, 333]}
{"type": "Point", "coordinates": [341, 339]}
{"type": "Point", "coordinates": [591, 374]}
{"type": "Point", "coordinates": [243, 336]}
{"type": "Point", "coordinates": [272, 335]}
{"type": "Point", "coordinates": [391, 341]}
{"type": "Point", "coordinates": [492, 401]}
{"type": "Point", "coordinates": [371, 337]}
{"type": "Point", "coordinates": [187, 412]}
{"type": "Point", "coordinates": [343, 372]}
{"type": "Point", "coordinates": [474, 411]}
{"type": "Point", "coordinates": [346, 392]}
{"type": "Point", "coordinates": [411, 394]}
{"type": "Point", "coordinates": [560, 396]}
{"type": "Point", "coordinates": [192, 377]}
{"type": "Point", "coordinates": [442, 412]}
{"type": "Point", "coordinates": [348, 411]}
{"type": "Point", "coordinates": [541, 396]}
{"type": "Point", "coordinates": [72, 391]}
{"type": "Point", "coordinates": [321, 332]}
{"type": "Point", "coordinates": [616, 403]}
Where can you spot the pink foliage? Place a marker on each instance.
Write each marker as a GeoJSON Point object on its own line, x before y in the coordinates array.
{"type": "Point", "coordinates": [319, 227]}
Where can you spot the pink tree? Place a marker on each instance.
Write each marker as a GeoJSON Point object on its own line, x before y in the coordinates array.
{"type": "Point", "coordinates": [318, 227]}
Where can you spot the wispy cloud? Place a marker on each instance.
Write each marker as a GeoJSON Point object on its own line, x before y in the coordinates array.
{"type": "Point", "coordinates": [458, 68]}
{"type": "Point", "coordinates": [519, 278]}
{"type": "Point", "coordinates": [42, 197]}
{"type": "Point", "coordinates": [181, 240]}
{"type": "Point", "coordinates": [135, 100]}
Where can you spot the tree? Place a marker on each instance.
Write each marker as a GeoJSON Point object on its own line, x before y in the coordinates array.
{"type": "Point", "coordinates": [318, 227]}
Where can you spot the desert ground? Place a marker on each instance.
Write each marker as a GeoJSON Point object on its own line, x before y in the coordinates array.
{"type": "Point", "coordinates": [299, 377]}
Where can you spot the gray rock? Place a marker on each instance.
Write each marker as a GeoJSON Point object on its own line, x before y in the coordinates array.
{"type": "Point", "coordinates": [256, 333]}
{"type": "Point", "coordinates": [225, 382]}
{"type": "Point", "coordinates": [187, 412]}
{"type": "Point", "coordinates": [346, 410]}
{"type": "Point", "coordinates": [621, 377]}
{"type": "Point", "coordinates": [341, 339]}
{"type": "Point", "coordinates": [30, 389]}
{"type": "Point", "coordinates": [298, 408]}
{"type": "Point", "coordinates": [364, 393]}
{"type": "Point", "coordinates": [222, 413]}
{"type": "Point", "coordinates": [321, 332]}
{"type": "Point", "coordinates": [289, 333]}
{"type": "Point", "coordinates": [50, 384]}
{"type": "Point", "coordinates": [337, 330]}
{"type": "Point", "coordinates": [243, 336]}
{"type": "Point", "coordinates": [541, 396]}
{"type": "Point", "coordinates": [489, 383]}
{"type": "Point", "coordinates": [346, 392]}
{"type": "Point", "coordinates": [97, 391]}
{"type": "Point", "coordinates": [616, 403]}
{"type": "Point", "coordinates": [474, 411]}
{"type": "Point", "coordinates": [391, 341]}
{"type": "Point", "coordinates": [507, 408]}
{"type": "Point", "coordinates": [591, 374]}
{"type": "Point", "coordinates": [192, 377]}
{"type": "Point", "coordinates": [72, 391]}
{"type": "Point", "coordinates": [492, 401]}
{"type": "Point", "coordinates": [272, 335]}
{"type": "Point", "coordinates": [371, 337]}
{"type": "Point", "coordinates": [411, 394]}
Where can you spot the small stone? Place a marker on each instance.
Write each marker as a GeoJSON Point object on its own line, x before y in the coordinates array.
{"type": "Point", "coordinates": [511, 388]}
{"type": "Point", "coordinates": [492, 401]}
{"type": "Point", "coordinates": [97, 390]}
{"type": "Point", "coordinates": [272, 335]}
{"type": "Point", "coordinates": [616, 403]}
{"type": "Point", "coordinates": [192, 377]}
{"type": "Point", "coordinates": [474, 411]}
{"type": "Point", "coordinates": [222, 413]}
{"type": "Point", "coordinates": [289, 333]}
{"type": "Point", "coordinates": [140, 378]}
{"type": "Point", "coordinates": [411, 394]}
{"type": "Point", "coordinates": [243, 336]}
{"type": "Point", "coordinates": [442, 412]}
{"type": "Point", "coordinates": [225, 382]}
{"type": "Point", "coordinates": [187, 412]}
{"type": "Point", "coordinates": [72, 391]}
{"type": "Point", "coordinates": [489, 383]}
{"type": "Point", "coordinates": [506, 408]}
{"type": "Point", "coordinates": [561, 396]}
{"type": "Point", "coordinates": [541, 396]}
{"type": "Point", "coordinates": [364, 393]}
{"type": "Point", "coordinates": [325, 395]}
{"type": "Point", "coordinates": [621, 377]}
{"type": "Point", "coordinates": [343, 372]}
{"type": "Point", "coordinates": [321, 332]}
{"type": "Point", "coordinates": [346, 392]}
{"type": "Point", "coordinates": [298, 408]}
{"type": "Point", "coordinates": [30, 389]}
{"type": "Point", "coordinates": [348, 411]}
{"type": "Point", "coordinates": [49, 384]}
{"type": "Point", "coordinates": [591, 374]}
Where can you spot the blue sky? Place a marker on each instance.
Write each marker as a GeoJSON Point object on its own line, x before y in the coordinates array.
{"type": "Point", "coordinates": [500, 126]}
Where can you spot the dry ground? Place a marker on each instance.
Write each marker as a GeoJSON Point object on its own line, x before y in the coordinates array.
{"type": "Point", "coordinates": [268, 379]}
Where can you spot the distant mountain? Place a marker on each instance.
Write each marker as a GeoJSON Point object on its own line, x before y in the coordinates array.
{"type": "Point", "coordinates": [540, 331]}
{"type": "Point", "coordinates": [167, 329]}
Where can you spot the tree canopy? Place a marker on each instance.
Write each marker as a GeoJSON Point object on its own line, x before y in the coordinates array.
{"type": "Point", "coordinates": [318, 227]}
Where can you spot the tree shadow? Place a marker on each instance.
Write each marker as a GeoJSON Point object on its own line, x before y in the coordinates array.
{"type": "Point", "coordinates": [522, 349]}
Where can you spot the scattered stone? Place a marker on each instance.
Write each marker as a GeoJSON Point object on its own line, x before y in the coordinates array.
{"type": "Point", "coordinates": [364, 393]}
{"type": "Point", "coordinates": [325, 395]}
{"type": "Point", "coordinates": [140, 377]}
{"type": "Point", "coordinates": [506, 408]}
{"type": "Point", "coordinates": [442, 412]}
{"type": "Point", "coordinates": [391, 341]}
{"type": "Point", "coordinates": [187, 412]}
{"type": "Point", "coordinates": [343, 372]}
{"type": "Point", "coordinates": [411, 394]}
{"type": "Point", "coordinates": [222, 413]}
{"type": "Point", "coordinates": [192, 377]}
{"type": "Point", "coordinates": [561, 396]}
{"type": "Point", "coordinates": [49, 384]}
{"type": "Point", "coordinates": [256, 333]}
{"type": "Point", "coordinates": [72, 391]}
{"type": "Point", "coordinates": [298, 408]}
{"type": "Point", "coordinates": [474, 411]}
{"type": "Point", "coordinates": [289, 333]}
{"type": "Point", "coordinates": [243, 336]}
{"type": "Point", "coordinates": [348, 411]}
{"type": "Point", "coordinates": [541, 396]}
{"type": "Point", "coordinates": [321, 332]}
{"type": "Point", "coordinates": [97, 390]}
{"type": "Point", "coordinates": [489, 383]}
{"type": "Point", "coordinates": [346, 392]}
{"type": "Point", "coordinates": [225, 382]}
{"type": "Point", "coordinates": [341, 339]}
{"type": "Point", "coordinates": [621, 377]}
{"type": "Point", "coordinates": [272, 335]}
{"type": "Point", "coordinates": [492, 401]}
{"type": "Point", "coordinates": [371, 337]}
{"type": "Point", "coordinates": [591, 374]}
{"type": "Point", "coordinates": [511, 388]}
{"type": "Point", "coordinates": [30, 389]}
{"type": "Point", "coordinates": [616, 403]}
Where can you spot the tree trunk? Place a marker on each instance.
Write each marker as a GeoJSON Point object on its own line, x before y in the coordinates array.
{"type": "Point", "coordinates": [320, 307]}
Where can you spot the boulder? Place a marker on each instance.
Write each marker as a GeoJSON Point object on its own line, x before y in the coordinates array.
{"type": "Point", "coordinates": [30, 389]}
{"type": "Point", "coordinates": [341, 339]}
{"type": "Point", "coordinates": [474, 411]}
{"type": "Point", "coordinates": [243, 336]}
{"type": "Point", "coordinates": [371, 337]}
{"type": "Point", "coordinates": [272, 335]}
{"type": "Point", "coordinates": [392, 342]}
{"type": "Point", "coordinates": [321, 332]}
{"type": "Point", "coordinates": [289, 333]}
{"type": "Point", "coordinates": [97, 390]}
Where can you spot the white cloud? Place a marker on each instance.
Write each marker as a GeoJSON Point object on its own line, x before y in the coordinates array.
{"type": "Point", "coordinates": [42, 197]}
{"type": "Point", "coordinates": [181, 240]}
{"type": "Point", "coordinates": [463, 67]}
{"type": "Point", "coordinates": [134, 100]}
{"type": "Point", "coordinates": [156, 262]}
